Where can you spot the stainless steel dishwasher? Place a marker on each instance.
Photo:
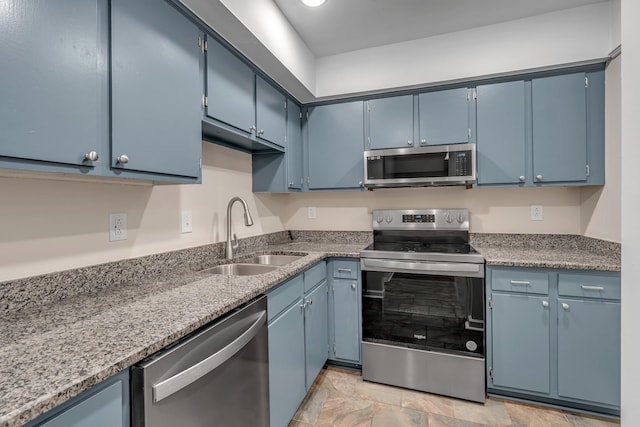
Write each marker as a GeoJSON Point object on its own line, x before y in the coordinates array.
{"type": "Point", "coordinates": [217, 377]}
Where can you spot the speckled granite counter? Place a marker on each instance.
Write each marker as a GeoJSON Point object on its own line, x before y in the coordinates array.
{"type": "Point", "coordinates": [52, 352]}
{"type": "Point", "coordinates": [548, 251]}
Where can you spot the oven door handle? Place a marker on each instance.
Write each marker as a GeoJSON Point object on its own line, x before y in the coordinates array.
{"type": "Point", "coordinates": [440, 268]}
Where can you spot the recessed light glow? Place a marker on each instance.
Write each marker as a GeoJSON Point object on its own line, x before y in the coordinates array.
{"type": "Point", "coordinates": [314, 3]}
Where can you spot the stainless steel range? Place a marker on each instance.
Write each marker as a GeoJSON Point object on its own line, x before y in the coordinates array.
{"type": "Point", "coordinates": [423, 304]}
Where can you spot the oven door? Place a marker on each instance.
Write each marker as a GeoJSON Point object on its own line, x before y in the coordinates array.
{"type": "Point", "coordinates": [424, 305]}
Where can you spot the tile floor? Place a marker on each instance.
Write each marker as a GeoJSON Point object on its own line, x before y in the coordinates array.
{"type": "Point", "coordinates": [339, 398]}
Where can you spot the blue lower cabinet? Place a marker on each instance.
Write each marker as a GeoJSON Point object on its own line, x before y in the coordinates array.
{"type": "Point", "coordinates": [286, 364]}
{"type": "Point", "coordinates": [103, 405]}
{"type": "Point", "coordinates": [555, 337]}
{"type": "Point", "coordinates": [344, 311]}
{"type": "Point", "coordinates": [298, 340]}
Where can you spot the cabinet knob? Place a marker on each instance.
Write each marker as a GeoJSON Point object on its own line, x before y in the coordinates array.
{"type": "Point", "coordinates": [353, 286]}
{"type": "Point", "coordinates": [539, 177]}
{"type": "Point", "coordinates": [91, 156]}
{"type": "Point", "coordinates": [521, 178]}
{"type": "Point", "coordinates": [261, 132]}
{"type": "Point", "coordinates": [565, 306]}
{"type": "Point", "coordinates": [545, 304]}
{"type": "Point", "coordinates": [123, 159]}
{"type": "Point", "coordinates": [423, 141]}
{"type": "Point", "coordinates": [409, 142]}
{"type": "Point", "coordinates": [361, 184]}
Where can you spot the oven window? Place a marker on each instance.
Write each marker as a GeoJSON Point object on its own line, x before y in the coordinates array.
{"type": "Point", "coordinates": [428, 312]}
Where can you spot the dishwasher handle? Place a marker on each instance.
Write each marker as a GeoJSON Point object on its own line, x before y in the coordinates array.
{"type": "Point", "coordinates": [190, 375]}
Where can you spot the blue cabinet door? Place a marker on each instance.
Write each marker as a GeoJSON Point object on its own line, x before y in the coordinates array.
{"type": "Point", "coordinates": [390, 122]}
{"type": "Point", "coordinates": [230, 88]}
{"type": "Point", "coordinates": [559, 128]}
{"type": "Point", "coordinates": [156, 89]}
{"type": "Point", "coordinates": [294, 146]}
{"type": "Point", "coordinates": [316, 325]}
{"type": "Point", "coordinates": [589, 350]}
{"type": "Point", "coordinates": [346, 320]}
{"type": "Point", "coordinates": [104, 405]}
{"type": "Point", "coordinates": [520, 347]}
{"type": "Point", "coordinates": [271, 119]}
{"type": "Point", "coordinates": [286, 365]}
{"type": "Point", "coordinates": [500, 137]}
{"type": "Point", "coordinates": [51, 104]}
{"type": "Point", "coordinates": [336, 145]}
{"type": "Point", "coordinates": [444, 117]}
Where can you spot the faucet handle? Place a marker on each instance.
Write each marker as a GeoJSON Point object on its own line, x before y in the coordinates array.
{"type": "Point", "coordinates": [234, 242]}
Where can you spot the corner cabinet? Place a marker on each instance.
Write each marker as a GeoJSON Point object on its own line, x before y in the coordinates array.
{"type": "Point", "coordinates": [335, 141]}
{"type": "Point", "coordinates": [156, 89]}
{"type": "Point", "coordinates": [103, 405]}
{"type": "Point", "coordinates": [298, 340]}
{"type": "Point", "coordinates": [542, 131]}
{"type": "Point", "coordinates": [553, 336]}
{"type": "Point", "coordinates": [345, 314]}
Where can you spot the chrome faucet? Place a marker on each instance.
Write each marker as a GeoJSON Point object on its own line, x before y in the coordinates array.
{"type": "Point", "coordinates": [232, 244]}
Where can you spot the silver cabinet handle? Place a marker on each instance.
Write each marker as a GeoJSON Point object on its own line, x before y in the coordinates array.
{"type": "Point", "coordinates": [565, 306]}
{"type": "Point", "coordinates": [310, 302]}
{"type": "Point", "coordinates": [361, 184]}
{"type": "Point", "coordinates": [545, 304]}
{"type": "Point", "coordinates": [409, 142]}
{"type": "Point", "coordinates": [179, 381]}
{"type": "Point", "coordinates": [521, 178]}
{"type": "Point", "coordinates": [261, 132]}
{"type": "Point", "coordinates": [353, 286]}
{"type": "Point", "coordinates": [539, 177]}
{"type": "Point", "coordinates": [252, 129]}
{"type": "Point", "coordinates": [344, 270]}
{"type": "Point", "coordinates": [520, 283]}
{"type": "Point", "coordinates": [423, 141]}
{"type": "Point", "coordinates": [592, 288]}
{"type": "Point", "coordinates": [91, 156]}
{"type": "Point", "coordinates": [123, 159]}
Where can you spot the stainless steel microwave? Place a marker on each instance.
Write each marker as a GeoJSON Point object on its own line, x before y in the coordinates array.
{"type": "Point", "coordinates": [424, 166]}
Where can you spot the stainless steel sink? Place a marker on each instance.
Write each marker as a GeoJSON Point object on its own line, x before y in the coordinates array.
{"type": "Point", "coordinates": [240, 269]}
{"type": "Point", "coordinates": [269, 259]}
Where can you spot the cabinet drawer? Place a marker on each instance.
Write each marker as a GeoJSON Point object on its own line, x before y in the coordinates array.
{"type": "Point", "coordinates": [589, 285]}
{"type": "Point", "coordinates": [345, 270]}
{"type": "Point", "coordinates": [315, 275]}
{"type": "Point", "coordinates": [282, 296]}
{"type": "Point", "coordinates": [520, 281]}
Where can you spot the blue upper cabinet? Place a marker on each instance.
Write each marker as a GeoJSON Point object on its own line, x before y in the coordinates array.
{"type": "Point", "coordinates": [559, 128]}
{"type": "Point", "coordinates": [271, 113]}
{"type": "Point", "coordinates": [51, 103]}
{"type": "Point", "coordinates": [294, 147]}
{"type": "Point", "coordinates": [390, 122]}
{"type": "Point", "coordinates": [445, 117]}
{"type": "Point", "coordinates": [156, 89]}
{"type": "Point", "coordinates": [230, 89]}
{"type": "Point", "coordinates": [335, 146]}
{"type": "Point", "coordinates": [501, 133]}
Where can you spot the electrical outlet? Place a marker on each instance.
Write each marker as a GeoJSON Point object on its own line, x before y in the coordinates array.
{"type": "Point", "coordinates": [117, 226]}
{"type": "Point", "coordinates": [187, 222]}
{"type": "Point", "coordinates": [537, 213]}
{"type": "Point", "coordinates": [311, 212]}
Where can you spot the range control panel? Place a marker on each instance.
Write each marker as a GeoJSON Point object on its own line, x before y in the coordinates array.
{"type": "Point", "coordinates": [423, 219]}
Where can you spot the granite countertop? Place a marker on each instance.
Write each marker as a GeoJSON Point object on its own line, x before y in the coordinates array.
{"type": "Point", "coordinates": [50, 353]}
{"type": "Point", "coordinates": [65, 332]}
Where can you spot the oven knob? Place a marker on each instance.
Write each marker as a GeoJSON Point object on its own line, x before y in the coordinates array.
{"type": "Point", "coordinates": [448, 217]}
{"type": "Point", "coordinates": [460, 218]}
{"type": "Point", "coordinates": [379, 219]}
{"type": "Point", "coordinates": [388, 218]}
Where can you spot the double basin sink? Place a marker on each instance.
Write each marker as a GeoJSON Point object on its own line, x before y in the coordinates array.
{"type": "Point", "coordinates": [257, 265]}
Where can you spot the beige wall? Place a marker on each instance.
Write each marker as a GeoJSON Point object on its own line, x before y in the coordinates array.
{"type": "Point", "coordinates": [494, 210]}
{"type": "Point", "coordinates": [601, 206]}
{"type": "Point", "coordinates": [52, 225]}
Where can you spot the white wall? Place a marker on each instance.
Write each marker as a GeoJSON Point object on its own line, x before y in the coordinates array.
{"type": "Point", "coordinates": [601, 206]}
{"type": "Point", "coordinates": [551, 39]}
{"type": "Point", "coordinates": [51, 225]}
{"type": "Point", "coordinates": [496, 210]}
{"type": "Point", "coordinates": [630, 209]}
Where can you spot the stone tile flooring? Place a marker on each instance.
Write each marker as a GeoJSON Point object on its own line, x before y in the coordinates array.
{"type": "Point", "coordinates": [339, 398]}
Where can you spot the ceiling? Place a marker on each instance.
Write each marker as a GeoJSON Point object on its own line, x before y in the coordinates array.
{"type": "Point", "coordinates": [345, 25]}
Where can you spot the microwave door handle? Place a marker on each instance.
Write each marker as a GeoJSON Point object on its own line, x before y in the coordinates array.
{"type": "Point", "coordinates": [192, 374]}
{"type": "Point", "coordinates": [436, 267]}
